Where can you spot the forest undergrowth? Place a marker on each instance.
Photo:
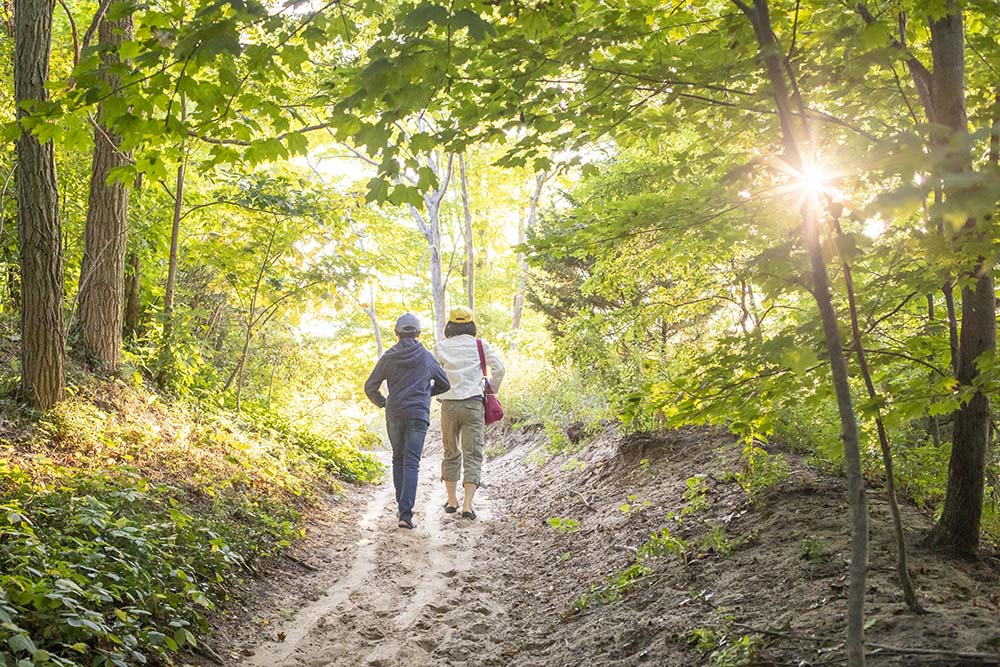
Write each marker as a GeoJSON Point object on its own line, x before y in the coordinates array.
{"type": "Point", "coordinates": [126, 517]}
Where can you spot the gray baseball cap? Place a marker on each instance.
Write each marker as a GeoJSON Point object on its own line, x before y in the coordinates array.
{"type": "Point", "coordinates": [407, 323]}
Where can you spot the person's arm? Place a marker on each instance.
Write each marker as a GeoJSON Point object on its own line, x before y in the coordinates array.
{"type": "Point", "coordinates": [373, 385]}
{"type": "Point", "coordinates": [440, 378]}
{"type": "Point", "coordinates": [496, 366]}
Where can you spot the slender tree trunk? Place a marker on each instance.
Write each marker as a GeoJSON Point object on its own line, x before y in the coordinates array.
{"type": "Point", "coordinates": [902, 569]}
{"type": "Point", "coordinates": [772, 55]}
{"type": "Point", "coordinates": [132, 291]}
{"type": "Point", "coordinates": [470, 250]}
{"type": "Point", "coordinates": [522, 259]}
{"type": "Point", "coordinates": [102, 271]}
{"type": "Point", "coordinates": [43, 336]}
{"type": "Point", "coordinates": [175, 232]}
{"type": "Point", "coordinates": [958, 528]}
{"type": "Point", "coordinates": [373, 317]}
{"type": "Point", "coordinates": [438, 286]}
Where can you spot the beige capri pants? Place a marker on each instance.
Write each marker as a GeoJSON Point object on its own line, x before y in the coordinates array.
{"type": "Point", "coordinates": [462, 430]}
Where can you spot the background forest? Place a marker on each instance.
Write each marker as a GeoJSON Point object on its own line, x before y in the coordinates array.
{"type": "Point", "coordinates": [662, 214]}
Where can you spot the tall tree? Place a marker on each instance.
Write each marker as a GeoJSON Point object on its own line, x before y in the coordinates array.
{"type": "Point", "coordinates": [470, 248]}
{"type": "Point", "coordinates": [958, 527]}
{"type": "Point", "coordinates": [522, 261]}
{"type": "Point", "coordinates": [102, 272]}
{"type": "Point", "coordinates": [43, 337]}
{"type": "Point", "coordinates": [429, 223]}
{"type": "Point", "coordinates": [758, 14]}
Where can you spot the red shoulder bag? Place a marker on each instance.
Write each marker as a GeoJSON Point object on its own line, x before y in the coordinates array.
{"type": "Point", "coordinates": [494, 411]}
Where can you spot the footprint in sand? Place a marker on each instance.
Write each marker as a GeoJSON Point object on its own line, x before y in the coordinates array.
{"type": "Point", "coordinates": [427, 643]}
{"type": "Point", "coordinates": [440, 609]}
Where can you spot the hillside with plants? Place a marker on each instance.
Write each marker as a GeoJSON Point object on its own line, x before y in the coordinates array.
{"type": "Point", "coordinates": [736, 255]}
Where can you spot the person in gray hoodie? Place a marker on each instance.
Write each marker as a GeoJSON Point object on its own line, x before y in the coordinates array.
{"type": "Point", "coordinates": [412, 375]}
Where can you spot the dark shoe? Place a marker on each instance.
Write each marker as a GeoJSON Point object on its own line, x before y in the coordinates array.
{"type": "Point", "coordinates": [448, 509]}
{"type": "Point", "coordinates": [403, 523]}
{"type": "Point", "coordinates": [469, 515]}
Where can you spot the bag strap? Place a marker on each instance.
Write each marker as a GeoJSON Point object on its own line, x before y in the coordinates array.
{"type": "Point", "coordinates": [482, 356]}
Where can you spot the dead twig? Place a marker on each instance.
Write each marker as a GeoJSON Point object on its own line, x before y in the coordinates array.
{"type": "Point", "coordinates": [981, 658]}
{"type": "Point", "coordinates": [586, 502]}
{"type": "Point", "coordinates": [299, 561]}
{"type": "Point", "coordinates": [206, 651]}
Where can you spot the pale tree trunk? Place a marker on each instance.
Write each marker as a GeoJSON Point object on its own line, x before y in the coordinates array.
{"type": "Point", "coordinates": [43, 337]}
{"type": "Point", "coordinates": [522, 260]}
{"type": "Point", "coordinates": [470, 250]}
{"type": "Point", "coordinates": [958, 528]}
{"type": "Point", "coordinates": [772, 55]}
{"type": "Point", "coordinates": [430, 227]}
{"type": "Point", "coordinates": [372, 316]}
{"type": "Point", "coordinates": [101, 292]}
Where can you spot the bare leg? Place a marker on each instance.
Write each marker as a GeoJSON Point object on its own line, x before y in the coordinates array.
{"type": "Point", "coordinates": [451, 487]}
{"type": "Point", "coordinates": [470, 492]}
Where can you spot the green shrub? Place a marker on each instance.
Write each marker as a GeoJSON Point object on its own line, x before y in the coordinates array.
{"type": "Point", "coordinates": [118, 571]}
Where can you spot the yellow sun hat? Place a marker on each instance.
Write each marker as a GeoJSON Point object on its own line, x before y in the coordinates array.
{"type": "Point", "coordinates": [460, 315]}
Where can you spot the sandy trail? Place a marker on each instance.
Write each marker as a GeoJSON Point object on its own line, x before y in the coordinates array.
{"type": "Point", "coordinates": [408, 597]}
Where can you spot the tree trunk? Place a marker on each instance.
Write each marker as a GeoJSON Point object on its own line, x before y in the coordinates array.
{"type": "Point", "coordinates": [43, 337]}
{"type": "Point", "coordinates": [132, 289]}
{"type": "Point", "coordinates": [373, 317]}
{"type": "Point", "coordinates": [902, 569]}
{"type": "Point", "coordinates": [470, 250]}
{"type": "Point", "coordinates": [522, 259]}
{"type": "Point", "coordinates": [175, 232]}
{"type": "Point", "coordinates": [102, 271]}
{"type": "Point", "coordinates": [438, 285]}
{"type": "Point", "coordinates": [772, 55]}
{"type": "Point", "coordinates": [958, 528]}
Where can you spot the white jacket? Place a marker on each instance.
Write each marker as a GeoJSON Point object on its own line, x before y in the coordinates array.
{"type": "Point", "coordinates": [459, 356]}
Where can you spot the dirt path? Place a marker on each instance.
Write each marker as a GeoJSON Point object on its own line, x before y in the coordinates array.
{"type": "Point", "coordinates": [756, 583]}
{"type": "Point", "coordinates": [408, 597]}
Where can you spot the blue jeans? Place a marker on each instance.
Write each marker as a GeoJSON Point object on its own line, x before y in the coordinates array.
{"type": "Point", "coordinates": [407, 439]}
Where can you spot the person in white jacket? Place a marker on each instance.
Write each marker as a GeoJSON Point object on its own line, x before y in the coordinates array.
{"type": "Point", "coordinates": [462, 411]}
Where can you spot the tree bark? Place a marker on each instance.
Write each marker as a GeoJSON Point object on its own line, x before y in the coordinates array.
{"type": "Point", "coordinates": [958, 528]}
{"type": "Point", "coordinates": [43, 336]}
{"type": "Point", "coordinates": [470, 250]}
{"type": "Point", "coordinates": [759, 16]}
{"type": "Point", "coordinates": [102, 290]}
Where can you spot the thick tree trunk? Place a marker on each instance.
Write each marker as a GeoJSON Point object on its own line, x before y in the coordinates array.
{"type": "Point", "coordinates": [43, 337]}
{"type": "Point", "coordinates": [470, 250]}
{"type": "Point", "coordinates": [102, 272]}
{"type": "Point", "coordinates": [132, 291]}
{"type": "Point", "coordinates": [773, 58]}
{"type": "Point", "coordinates": [958, 528]}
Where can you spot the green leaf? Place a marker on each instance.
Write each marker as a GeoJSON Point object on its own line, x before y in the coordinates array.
{"type": "Point", "coordinates": [478, 28]}
{"type": "Point", "coordinates": [378, 190]}
{"type": "Point", "coordinates": [420, 18]}
{"type": "Point", "coordinates": [21, 643]}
